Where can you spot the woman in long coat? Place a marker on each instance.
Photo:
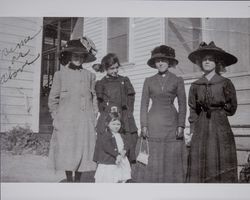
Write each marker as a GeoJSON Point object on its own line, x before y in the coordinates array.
{"type": "Point", "coordinates": [212, 98]}
{"type": "Point", "coordinates": [115, 90]}
{"type": "Point", "coordinates": [73, 106]}
{"type": "Point", "coordinates": [162, 124]}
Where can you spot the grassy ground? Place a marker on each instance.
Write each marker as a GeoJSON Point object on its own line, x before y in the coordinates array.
{"type": "Point", "coordinates": [32, 168]}
{"type": "Point", "coordinates": [27, 168]}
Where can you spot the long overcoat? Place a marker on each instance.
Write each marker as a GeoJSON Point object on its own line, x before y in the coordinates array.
{"type": "Point", "coordinates": [73, 105]}
{"type": "Point", "coordinates": [213, 152]}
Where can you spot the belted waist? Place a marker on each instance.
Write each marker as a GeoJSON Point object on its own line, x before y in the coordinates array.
{"type": "Point", "coordinates": [209, 109]}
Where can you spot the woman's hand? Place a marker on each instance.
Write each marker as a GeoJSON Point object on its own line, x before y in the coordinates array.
{"type": "Point", "coordinates": [118, 159]}
{"type": "Point", "coordinates": [188, 138]}
{"type": "Point", "coordinates": [144, 132]}
{"type": "Point", "coordinates": [53, 115]}
{"type": "Point", "coordinates": [123, 153]}
{"type": "Point", "coordinates": [180, 133]}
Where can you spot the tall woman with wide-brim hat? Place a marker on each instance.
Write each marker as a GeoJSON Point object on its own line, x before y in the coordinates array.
{"type": "Point", "coordinates": [162, 125]}
{"type": "Point", "coordinates": [212, 99]}
{"type": "Point", "coordinates": [73, 106]}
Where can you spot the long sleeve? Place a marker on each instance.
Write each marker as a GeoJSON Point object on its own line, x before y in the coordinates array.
{"type": "Point", "coordinates": [192, 107]}
{"type": "Point", "coordinates": [181, 97]}
{"type": "Point", "coordinates": [231, 98]}
{"type": "Point", "coordinates": [131, 95]}
{"type": "Point", "coordinates": [100, 93]}
{"type": "Point", "coordinates": [54, 95]}
{"type": "Point", "coordinates": [93, 92]}
{"type": "Point", "coordinates": [144, 104]}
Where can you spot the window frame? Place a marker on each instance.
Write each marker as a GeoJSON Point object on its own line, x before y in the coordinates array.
{"type": "Point", "coordinates": [194, 74]}
{"type": "Point", "coordinates": [128, 38]}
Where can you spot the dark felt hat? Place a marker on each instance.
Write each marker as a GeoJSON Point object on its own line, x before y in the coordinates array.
{"type": "Point", "coordinates": [165, 52]}
{"type": "Point", "coordinates": [211, 49]}
{"type": "Point", "coordinates": [81, 45]}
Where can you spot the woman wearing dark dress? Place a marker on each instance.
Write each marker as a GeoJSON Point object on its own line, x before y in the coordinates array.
{"type": "Point", "coordinates": [115, 90]}
{"type": "Point", "coordinates": [162, 124]}
{"type": "Point", "coordinates": [212, 98]}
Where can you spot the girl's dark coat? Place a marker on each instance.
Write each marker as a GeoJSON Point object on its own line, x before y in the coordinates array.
{"type": "Point", "coordinates": [106, 148]}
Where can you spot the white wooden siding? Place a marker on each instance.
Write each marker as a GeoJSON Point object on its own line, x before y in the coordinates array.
{"type": "Point", "coordinates": [96, 29]}
{"type": "Point", "coordinates": [20, 95]}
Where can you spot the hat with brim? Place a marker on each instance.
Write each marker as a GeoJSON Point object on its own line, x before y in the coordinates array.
{"type": "Point", "coordinates": [211, 49]}
{"type": "Point", "coordinates": [163, 52]}
{"type": "Point", "coordinates": [82, 45]}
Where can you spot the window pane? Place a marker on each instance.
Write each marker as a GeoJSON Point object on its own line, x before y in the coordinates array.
{"type": "Point", "coordinates": [233, 35]}
{"type": "Point", "coordinates": [184, 35]}
{"type": "Point", "coordinates": [118, 38]}
{"type": "Point", "coordinates": [119, 46]}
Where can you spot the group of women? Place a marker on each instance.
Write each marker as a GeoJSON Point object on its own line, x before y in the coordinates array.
{"type": "Point", "coordinates": [79, 142]}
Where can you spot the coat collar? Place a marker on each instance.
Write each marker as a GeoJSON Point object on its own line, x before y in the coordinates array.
{"type": "Point", "coordinates": [167, 74]}
{"type": "Point", "coordinates": [113, 79]}
{"type": "Point", "coordinates": [214, 80]}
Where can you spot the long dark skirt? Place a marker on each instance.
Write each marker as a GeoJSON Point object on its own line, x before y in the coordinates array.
{"type": "Point", "coordinates": [166, 163]}
{"type": "Point", "coordinates": [212, 156]}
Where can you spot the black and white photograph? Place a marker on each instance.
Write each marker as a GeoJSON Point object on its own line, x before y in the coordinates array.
{"type": "Point", "coordinates": [142, 101]}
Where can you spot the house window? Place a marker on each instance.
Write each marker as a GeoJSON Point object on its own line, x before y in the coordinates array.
{"type": "Point", "coordinates": [184, 35]}
{"type": "Point", "coordinates": [117, 43]}
{"type": "Point", "coordinates": [232, 35]}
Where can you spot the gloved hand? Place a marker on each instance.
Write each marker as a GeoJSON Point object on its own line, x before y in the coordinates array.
{"type": "Point", "coordinates": [123, 153]}
{"type": "Point", "coordinates": [118, 159]}
{"type": "Point", "coordinates": [144, 132]}
{"type": "Point", "coordinates": [188, 138]}
{"type": "Point", "coordinates": [180, 133]}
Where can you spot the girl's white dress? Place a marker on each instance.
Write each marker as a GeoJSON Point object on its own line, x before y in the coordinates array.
{"type": "Point", "coordinates": [108, 173]}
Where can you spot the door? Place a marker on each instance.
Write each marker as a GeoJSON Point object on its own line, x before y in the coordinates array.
{"type": "Point", "coordinates": [56, 32]}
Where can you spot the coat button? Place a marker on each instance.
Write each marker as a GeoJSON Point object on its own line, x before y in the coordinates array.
{"type": "Point", "coordinates": [115, 149]}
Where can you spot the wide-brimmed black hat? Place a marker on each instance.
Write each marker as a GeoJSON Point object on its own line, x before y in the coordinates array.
{"type": "Point", "coordinates": [163, 51]}
{"type": "Point", "coordinates": [211, 49]}
{"type": "Point", "coordinates": [82, 45]}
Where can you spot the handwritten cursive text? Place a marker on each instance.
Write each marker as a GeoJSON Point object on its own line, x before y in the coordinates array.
{"type": "Point", "coordinates": [12, 74]}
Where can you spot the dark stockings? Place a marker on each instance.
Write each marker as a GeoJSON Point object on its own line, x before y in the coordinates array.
{"type": "Point", "coordinates": [69, 176]}
{"type": "Point", "coordinates": [78, 176]}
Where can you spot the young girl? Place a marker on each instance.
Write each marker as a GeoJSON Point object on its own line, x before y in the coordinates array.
{"type": "Point", "coordinates": [116, 90]}
{"type": "Point", "coordinates": [113, 165]}
{"type": "Point", "coordinates": [73, 106]}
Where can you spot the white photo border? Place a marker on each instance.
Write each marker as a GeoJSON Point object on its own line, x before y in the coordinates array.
{"type": "Point", "coordinates": [81, 8]}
